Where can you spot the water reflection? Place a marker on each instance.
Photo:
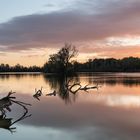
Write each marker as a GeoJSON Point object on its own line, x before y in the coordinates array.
{"type": "Point", "coordinates": [19, 75]}
{"type": "Point", "coordinates": [66, 87]}
{"type": "Point", "coordinates": [6, 123]}
{"type": "Point", "coordinates": [59, 86]}
{"type": "Point", "coordinates": [112, 114]}
{"type": "Point", "coordinates": [112, 79]}
{"type": "Point", "coordinates": [5, 104]}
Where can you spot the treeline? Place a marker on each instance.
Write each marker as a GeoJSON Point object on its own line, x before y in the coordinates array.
{"type": "Point", "coordinates": [128, 64]}
{"type": "Point", "coordinates": [62, 63]}
{"type": "Point", "coordinates": [19, 68]}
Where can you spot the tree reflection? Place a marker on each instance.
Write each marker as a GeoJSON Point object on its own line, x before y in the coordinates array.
{"type": "Point", "coordinates": [59, 86]}
{"type": "Point", "coordinates": [5, 104]}
{"type": "Point", "coordinates": [66, 87]}
{"type": "Point", "coordinates": [112, 79]}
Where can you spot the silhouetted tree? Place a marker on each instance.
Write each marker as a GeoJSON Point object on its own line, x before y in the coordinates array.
{"type": "Point", "coordinates": [61, 62]}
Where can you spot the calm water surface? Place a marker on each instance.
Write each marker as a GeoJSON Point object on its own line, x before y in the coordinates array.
{"type": "Point", "coordinates": [110, 113]}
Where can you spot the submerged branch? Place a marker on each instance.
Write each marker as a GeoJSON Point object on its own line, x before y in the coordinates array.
{"type": "Point", "coordinates": [74, 88]}
{"type": "Point", "coordinates": [38, 93]}
{"type": "Point", "coordinates": [5, 103]}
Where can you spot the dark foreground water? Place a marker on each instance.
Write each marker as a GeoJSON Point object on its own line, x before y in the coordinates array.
{"type": "Point", "coordinates": [110, 113]}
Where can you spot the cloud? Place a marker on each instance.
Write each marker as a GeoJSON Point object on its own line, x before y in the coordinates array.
{"type": "Point", "coordinates": [49, 5]}
{"type": "Point", "coordinates": [112, 18]}
{"type": "Point", "coordinates": [2, 54]}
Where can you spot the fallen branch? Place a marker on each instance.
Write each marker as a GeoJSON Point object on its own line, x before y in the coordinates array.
{"type": "Point", "coordinates": [38, 93]}
{"type": "Point", "coordinates": [52, 94]}
{"type": "Point", "coordinates": [5, 104]}
{"type": "Point", "coordinates": [87, 87]}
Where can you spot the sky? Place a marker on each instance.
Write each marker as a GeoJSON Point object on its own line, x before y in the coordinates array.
{"type": "Point", "coordinates": [31, 30]}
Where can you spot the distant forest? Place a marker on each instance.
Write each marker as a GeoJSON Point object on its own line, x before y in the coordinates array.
{"type": "Point", "coordinates": [129, 64]}
{"type": "Point", "coordinates": [19, 68]}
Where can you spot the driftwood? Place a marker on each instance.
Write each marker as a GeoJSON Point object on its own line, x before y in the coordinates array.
{"type": "Point", "coordinates": [67, 90]}
{"type": "Point", "coordinates": [79, 87]}
{"type": "Point", "coordinates": [52, 94]}
{"type": "Point", "coordinates": [5, 104]}
{"type": "Point", "coordinates": [6, 123]}
{"type": "Point", "coordinates": [7, 101]}
{"type": "Point", "coordinates": [87, 87]}
{"type": "Point", "coordinates": [38, 93]}
{"type": "Point", "coordinates": [73, 88]}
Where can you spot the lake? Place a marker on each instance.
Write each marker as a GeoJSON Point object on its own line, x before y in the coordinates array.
{"type": "Point", "coordinates": [111, 112]}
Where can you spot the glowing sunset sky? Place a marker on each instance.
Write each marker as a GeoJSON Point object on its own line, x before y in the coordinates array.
{"type": "Point", "coordinates": [31, 30]}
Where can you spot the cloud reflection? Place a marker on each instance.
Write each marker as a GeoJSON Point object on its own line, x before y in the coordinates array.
{"type": "Point", "coordinates": [113, 113]}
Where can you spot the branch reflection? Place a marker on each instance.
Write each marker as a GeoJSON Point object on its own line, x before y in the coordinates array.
{"type": "Point", "coordinates": [5, 104]}
{"type": "Point", "coordinates": [66, 87]}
